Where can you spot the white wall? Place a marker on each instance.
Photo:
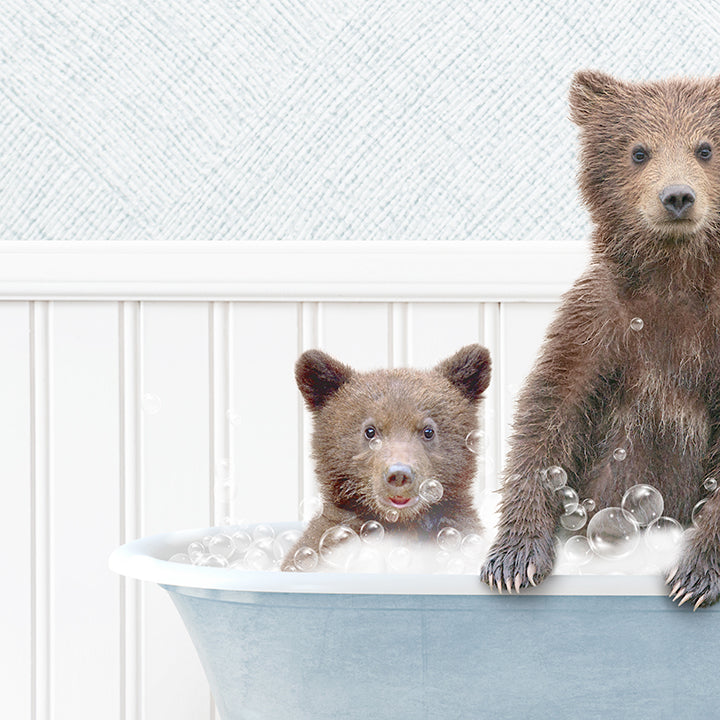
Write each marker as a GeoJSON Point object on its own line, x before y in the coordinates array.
{"type": "Point", "coordinates": [124, 398]}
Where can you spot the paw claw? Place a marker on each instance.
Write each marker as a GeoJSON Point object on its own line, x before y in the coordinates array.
{"type": "Point", "coordinates": [508, 585]}
{"type": "Point", "coordinates": [676, 587]}
{"type": "Point", "coordinates": [490, 580]}
{"type": "Point", "coordinates": [517, 583]}
{"type": "Point", "coordinates": [685, 599]}
{"type": "Point", "coordinates": [698, 603]}
{"type": "Point", "coordinates": [531, 574]}
{"type": "Point", "coordinates": [672, 574]}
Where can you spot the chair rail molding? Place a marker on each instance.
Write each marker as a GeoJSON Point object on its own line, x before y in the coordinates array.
{"type": "Point", "coordinates": [287, 271]}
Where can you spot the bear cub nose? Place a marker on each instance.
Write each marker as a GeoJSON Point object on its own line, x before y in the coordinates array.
{"type": "Point", "coordinates": [677, 199]}
{"type": "Point", "coordinates": [398, 475]}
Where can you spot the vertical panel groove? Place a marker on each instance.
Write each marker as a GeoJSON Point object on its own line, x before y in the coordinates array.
{"type": "Point", "coordinates": [399, 338]}
{"type": "Point", "coordinates": [130, 506]}
{"type": "Point", "coordinates": [493, 415]}
{"type": "Point", "coordinates": [41, 469]}
{"type": "Point", "coordinates": [309, 316]}
{"type": "Point", "coordinates": [221, 448]}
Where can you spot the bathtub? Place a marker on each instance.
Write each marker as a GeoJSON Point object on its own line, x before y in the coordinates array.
{"type": "Point", "coordinates": [333, 646]}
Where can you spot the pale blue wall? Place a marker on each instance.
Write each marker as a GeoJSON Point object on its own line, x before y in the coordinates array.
{"type": "Point", "coordinates": [311, 119]}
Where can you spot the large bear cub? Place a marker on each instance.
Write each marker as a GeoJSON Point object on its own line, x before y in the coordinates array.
{"type": "Point", "coordinates": [632, 358]}
{"type": "Point", "coordinates": [379, 436]}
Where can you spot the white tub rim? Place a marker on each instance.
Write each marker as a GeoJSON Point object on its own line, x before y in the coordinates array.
{"type": "Point", "coordinates": [143, 559]}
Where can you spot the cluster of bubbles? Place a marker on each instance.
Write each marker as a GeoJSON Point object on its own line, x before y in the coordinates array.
{"type": "Point", "coordinates": [373, 549]}
{"type": "Point", "coordinates": [257, 548]}
{"type": "Point", "coordinates": [637, 528]}
{"type": "Point", "coordinates": [370, 549]}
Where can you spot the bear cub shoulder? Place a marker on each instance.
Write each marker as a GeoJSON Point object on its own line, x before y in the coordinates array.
{"type": "Point", "coordinates": [389, 446]}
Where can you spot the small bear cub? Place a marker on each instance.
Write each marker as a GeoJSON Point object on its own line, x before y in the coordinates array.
{"type": "Point", "coordinates": [389, 446]}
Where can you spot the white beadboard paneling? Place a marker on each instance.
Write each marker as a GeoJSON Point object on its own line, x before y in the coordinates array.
{"type": "Point", "coordinates": [175, 446]}
{"type": "Point", "coordinates": [358, 334]}
{"type": "Point", "coordinates": [85, 511]}
{"type": "Point", "coordinates": [16, 619]}
{"type": "Point", "coordinates": [437, 330]}
{"type": "Point", "coordinates": [523, 327]}
{"type": "Point", "coordinates": [264, 407]}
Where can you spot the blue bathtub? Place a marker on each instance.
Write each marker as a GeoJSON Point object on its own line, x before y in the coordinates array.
{"type": "Point", "coordinates": [332, 646]}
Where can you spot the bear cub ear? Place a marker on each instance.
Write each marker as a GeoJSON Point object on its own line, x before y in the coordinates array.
{"type": "Point", "coordinates": [469, 370]}
{"type": "Point", "coordinates": [588, 89]}
{"type": "Point", "coordinates": [319, 376]}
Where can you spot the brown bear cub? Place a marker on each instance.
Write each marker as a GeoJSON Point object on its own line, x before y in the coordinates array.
{"type": "Point", "coordinates": [632, 357]}
{"type": "Point", "coordinates": [382, 438]}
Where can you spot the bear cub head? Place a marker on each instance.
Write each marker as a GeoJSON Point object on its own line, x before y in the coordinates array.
{"type": "Point", "coordinates": [379, 437]}
{"type": "Point", "coordinates": [650, 164]}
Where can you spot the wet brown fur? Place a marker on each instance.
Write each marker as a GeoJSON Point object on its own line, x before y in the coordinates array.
{"type": "Point", "coordinates": [597, 384]}
{"type": "Point", "coordinates": [399, 404]}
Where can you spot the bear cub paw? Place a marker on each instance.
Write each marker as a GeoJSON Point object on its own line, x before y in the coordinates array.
{"type": "Point", "coordinates": [696, 579]}
{"type": "Point", "coordinates": [518, 562]}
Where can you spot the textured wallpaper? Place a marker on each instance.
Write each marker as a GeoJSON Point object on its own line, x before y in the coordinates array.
{"type": "Point", "coordinates": [312, 119]}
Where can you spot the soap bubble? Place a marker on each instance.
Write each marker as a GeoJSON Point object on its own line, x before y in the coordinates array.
{"type": "Point", "coordinates": [221, 545]}
{"type": "Point", "coordinates": [399, 559]}
{"type": "Point", "coordinates": [372, 532]}
{"type": "Point", "coordinates": [644, 503]}
{"type": "Point", "coordinates": [392, 515]}
{"type": "Point", "coordinates": [259, 555]}
{"type": "Point", "coordinates": [305, 558]}
{"type": "Point", "coordinates": [338, 545]}
{"type": "Point", "coordinates": [663, 535]}
{"type": "Point", "coordinates": [578, 550]}
{"type": "Point", "coordinates": [588, 504]}
{"type": "Point", "coordinates": [375, 443]}
{"type": "Point", "coordinates": [696, 511]}
{"type": "Point", "coordinates": [180, 558]}
{"type": "Point", "coordinates": [241, 540]}
{"type": "Point", "coordinates": [151, 404]}
{"type": "Point", "coordinates": [263, 532]}
{"type": "Point", "coordinates": [195, 550]}
{"type": "Point", "coordinates": [431, 490]}
{"type": "Point", "coordinates": [310, 508]}
{"type": "Point", "coordinates": [613, 533]}
{"type": "Point", "coordinates": [569, 498]}
{"type": "Point", "coordinates": [473, 546]}
{"type": "Point", "coordinates": [284, 542]}
{"type": "Point", "coordinates": [556, 476]}
{"type": "Point", "coordinates": [620, 454]}
{"type": "Point", "coordinates": [574, 520]}
{"type": "Point", "coordinates": [449, 539]}
{"type": "Point", "coordinates": [474, 441]}
{"type": "Point", "coordinates": [637, 324]}
{"type": "Point", "coordinates": [212, 561]}
{"type": "Point", "coordinates": [710, 484]}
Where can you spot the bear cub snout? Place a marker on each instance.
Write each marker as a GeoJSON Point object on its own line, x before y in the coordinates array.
{"type": "Point", "coordinates": [389, 445]}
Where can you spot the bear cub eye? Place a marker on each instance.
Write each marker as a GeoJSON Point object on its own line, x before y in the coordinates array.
{"type": "Point", "coordinates": [639, 154]}
{"type": "Point", "coordinates": [428, 432]}
{"type": "Point", "coordinates": [704, 151]}
{"type": "Point", "coordinates": [370, 432]}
